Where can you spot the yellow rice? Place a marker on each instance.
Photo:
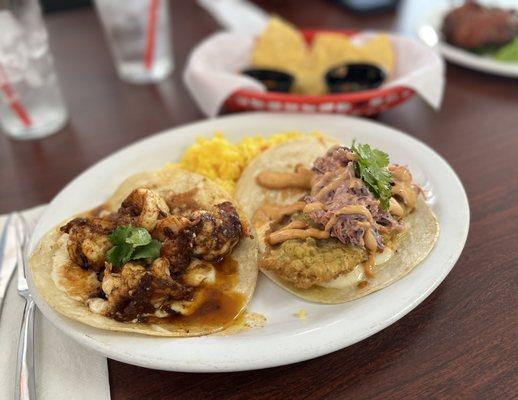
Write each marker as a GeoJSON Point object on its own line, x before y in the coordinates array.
{"type": "Point", "coordinates": [223, 161]}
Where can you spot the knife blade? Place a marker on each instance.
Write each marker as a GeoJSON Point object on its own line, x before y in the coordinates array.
{"type": "Point", "coordinates": [8, 254]}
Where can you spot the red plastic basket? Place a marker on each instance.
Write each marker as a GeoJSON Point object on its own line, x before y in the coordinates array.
{"type": "Point", "coordinates": [365, 102]}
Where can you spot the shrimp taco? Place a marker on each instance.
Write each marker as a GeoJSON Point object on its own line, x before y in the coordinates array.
{"type": "Point", "coordinates": [335, 223]}
{"type": "Point", "coordinates": [169, 254]}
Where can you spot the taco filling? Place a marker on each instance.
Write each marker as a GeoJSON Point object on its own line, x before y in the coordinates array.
{"type": "Point", "coordinates": [168, 254]}
{"type": "Point", "coordinates": [147, 260]}
{"type": "Point", "coordinates": [353, 214]}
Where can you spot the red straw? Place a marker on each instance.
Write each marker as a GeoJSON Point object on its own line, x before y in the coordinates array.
{"type": "Point", "coordinates": [151, 34]}
{"type": "Point", "coordinates": [12, 99]}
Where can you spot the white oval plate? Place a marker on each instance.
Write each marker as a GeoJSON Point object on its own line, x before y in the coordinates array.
{"type": "Point", "coordinates": [285, 339]}
{"type": "Point", "coordinates": [429, 31]}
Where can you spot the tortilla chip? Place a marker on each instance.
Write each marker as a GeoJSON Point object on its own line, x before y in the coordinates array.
{"type": "Point", "coordinates": [327, 51]}
{"type": "Point", "coordinates": [380, 51]}
{"type": "Point", "coordinates": [281, 46]}
{"type": "Point", "coordinates": [170, 181]}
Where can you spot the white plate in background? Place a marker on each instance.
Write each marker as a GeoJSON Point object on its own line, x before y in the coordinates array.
{"type": "Point", "coordinates": [429, 31]}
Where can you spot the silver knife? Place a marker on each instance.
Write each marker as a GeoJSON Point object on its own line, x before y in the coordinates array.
{"type": "Point", "coordinates": [8, 254]}
{"type": "Point", "coordinates": [25, 388]}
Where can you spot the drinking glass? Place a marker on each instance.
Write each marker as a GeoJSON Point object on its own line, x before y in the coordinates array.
{"type": "Point", "coordinates": [31, 105]}
{"type": "Point", "coordinates": [139, 38]}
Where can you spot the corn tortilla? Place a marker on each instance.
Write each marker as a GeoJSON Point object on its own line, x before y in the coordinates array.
{"type": "Point", "coordinates": [411, 247]}
{"type": "Point", "coordinates": [165, 181]}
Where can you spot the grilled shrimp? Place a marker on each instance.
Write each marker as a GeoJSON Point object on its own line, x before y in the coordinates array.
{"type": "Point", "coordinates": [216, 235]}
{"type": "Point", "coordinates": [117, 285]}
{"type": "Point", "coordinates": [88, 241]}
{"type": "Point", "coordinates": [160, 268]}
{"type": "Point", "coordinates": [142, 207]}
{"type": "Point", "coordinates": [178, 250]}
{"type": "Point", "coordinates": [135, 292]}
{"type": "Point", "coordinates": [177, 238]}
{"type": "Point", "coordinates": [171, 227]}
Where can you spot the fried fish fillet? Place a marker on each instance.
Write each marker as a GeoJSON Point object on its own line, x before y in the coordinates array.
{"type": "Point", "coordinates": [312, 262]}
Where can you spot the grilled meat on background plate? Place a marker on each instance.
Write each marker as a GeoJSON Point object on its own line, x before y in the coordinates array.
{"type": "Point", "coordinates": [472, 26]}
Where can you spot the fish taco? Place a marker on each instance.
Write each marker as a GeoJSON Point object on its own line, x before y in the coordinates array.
{"type": "Point", "coordinates": [169, 254]}
{"type": "Point", "coordinates": [334, 222]}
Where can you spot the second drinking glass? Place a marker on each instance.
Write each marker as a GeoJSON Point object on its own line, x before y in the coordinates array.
{"type": "Point", "coordinates": [139, 37]}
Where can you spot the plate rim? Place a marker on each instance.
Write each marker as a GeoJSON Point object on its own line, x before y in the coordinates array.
{"type": "Point", "coordinates": [227, 366]}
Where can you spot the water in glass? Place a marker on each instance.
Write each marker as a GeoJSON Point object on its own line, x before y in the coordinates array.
{"type": "Point", "coordinates": [31, 104]}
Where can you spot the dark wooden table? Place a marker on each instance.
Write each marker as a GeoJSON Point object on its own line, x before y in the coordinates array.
{"type": "Point", "coordinates": [459, 343]}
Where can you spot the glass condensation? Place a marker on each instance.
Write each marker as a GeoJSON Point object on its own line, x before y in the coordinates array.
{"type": "Point", "coordinates": [31, 105]}
{"type": "Point", "coordinates": [138, 33]}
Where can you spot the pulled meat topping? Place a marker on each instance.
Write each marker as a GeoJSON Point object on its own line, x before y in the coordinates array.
{"type": "Point", "coordinates": [340, 204]}
{"type": "Point", "coordinates": [145, 287]}
{"type": "Point", "coordinates": [336, 157]}
{"type": "Point", "coordinates": [335, 188]}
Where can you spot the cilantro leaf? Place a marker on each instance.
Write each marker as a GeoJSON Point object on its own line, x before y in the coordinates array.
{"type": "Point", "coordinates": [138, 237]}
{"type": "Point", "coordinates": [120, 234]}
{"type": "Point", "coordinates": [150, 250]}
{"type": "Point", "coordinates": [131, 235]}
{"type": "Point", "coordinates": [120, 254]}
{"type": "Point", "coordinates": [371, 167]}
{"type": "Point", "coordinates": [131, 243]}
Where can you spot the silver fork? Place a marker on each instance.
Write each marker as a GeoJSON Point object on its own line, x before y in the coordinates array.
{"type": "Point", "coordinates": [25, 388]}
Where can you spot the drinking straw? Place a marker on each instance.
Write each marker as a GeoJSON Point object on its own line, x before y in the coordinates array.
{"type": "Point", "coordinates": [151, 34]}
{"type": "Point", "coordinates": [12, 99]}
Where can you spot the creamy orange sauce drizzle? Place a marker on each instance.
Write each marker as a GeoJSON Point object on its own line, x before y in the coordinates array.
{"type": "Point", "coordinates": [330, 187]}
{"type": "Point", "coordinates": [272, 212]}
{"type": "Point", "coordinates": [301, 178]}
{"type": "Point", "coordinates": [310, 207]}
{"type": "Point", "coordinates": [295, 229]}
{"type": "Point", "coordinates": [287, 234]}
{"type": "Point", "coordinates": [340, 176]}
{"type": "Point", "coordinates": [362, 284]}
{"type": "Point", "coordinates": [296, 225]}
{"type": "Point", "coordinates": [350, 210]}
{"type": "Point", "coordinates": [370, 240]}
{"type": "Point", "coordinates": [395, 208]}
{"type": "Point", "coordinates": [403, 188]}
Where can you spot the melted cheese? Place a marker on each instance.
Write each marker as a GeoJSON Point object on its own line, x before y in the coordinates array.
{"type": "Point", "coordinates": [199, 272]}
{"type": "Point", "coordinates": [77, 283]}
{"type": "Point", "coordinates": [98, 305]}
{"type": "Point", "coordinates": [352, 278]}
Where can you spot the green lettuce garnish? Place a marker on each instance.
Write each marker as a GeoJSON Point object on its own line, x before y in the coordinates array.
{"type": "Point", "coordinates": [509, 52]}
{"type": "Point", "coordinates": [505, 53]}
